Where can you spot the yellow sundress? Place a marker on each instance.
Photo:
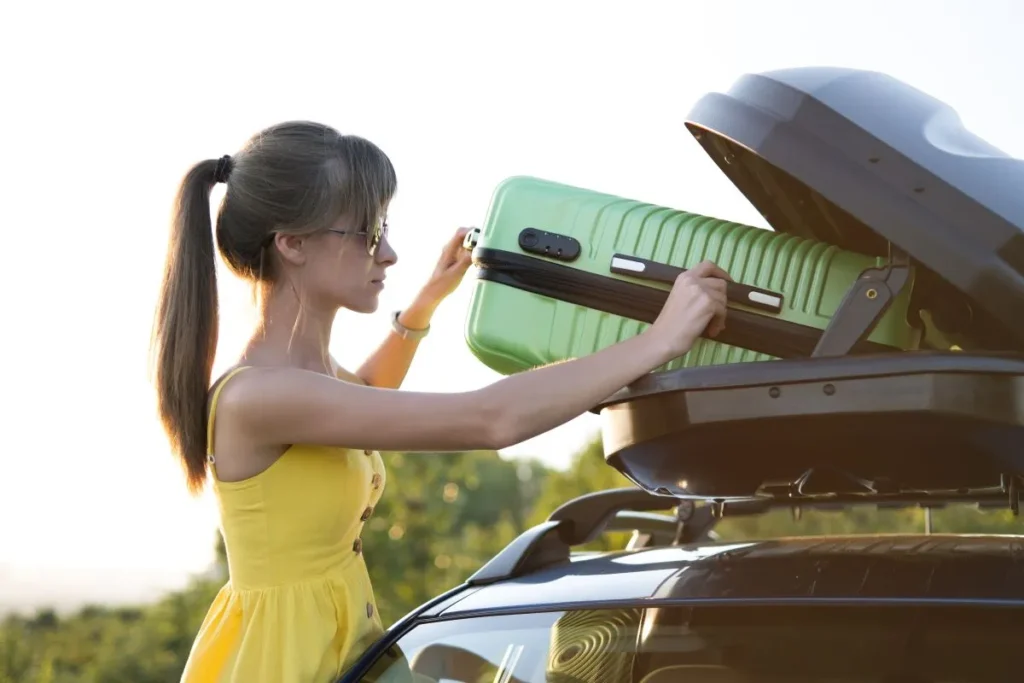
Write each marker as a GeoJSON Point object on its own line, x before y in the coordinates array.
{"type": "Point", "coordinates": [298, 606]}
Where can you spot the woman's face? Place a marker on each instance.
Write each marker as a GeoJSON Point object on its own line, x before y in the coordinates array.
{"type": "Point", "coordinates": [335, 269]}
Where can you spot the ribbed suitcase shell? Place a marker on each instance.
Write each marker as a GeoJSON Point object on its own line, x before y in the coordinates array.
{"type": "Point", "coordinates": [511, 330]}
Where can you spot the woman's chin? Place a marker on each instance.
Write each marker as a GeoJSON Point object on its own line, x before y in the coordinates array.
{"type": "Point", "coordinates": [365, 304]}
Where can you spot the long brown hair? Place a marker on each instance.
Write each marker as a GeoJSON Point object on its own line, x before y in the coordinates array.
{"type": "Point", "coordinates": [296, 177]}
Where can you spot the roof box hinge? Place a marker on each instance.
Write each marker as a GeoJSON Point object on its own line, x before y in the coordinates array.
{"type": "Point", "coordinates": [866, 301]}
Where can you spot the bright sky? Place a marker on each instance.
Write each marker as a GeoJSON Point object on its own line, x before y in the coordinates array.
{"type": "Point", "coordinates": [106, 105]}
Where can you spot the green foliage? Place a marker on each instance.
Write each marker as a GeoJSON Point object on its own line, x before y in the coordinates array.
{"type": "Point", "coordinates": [442, 516]}
{"type": "Point", "coordinates": [587, 472]}
{"type": "Point", "coordinates": [955, 519]}
{"type": "Point", "coordinates": [101, 645]}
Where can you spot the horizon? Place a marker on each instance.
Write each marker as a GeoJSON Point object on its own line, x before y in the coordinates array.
{"type": "Point", "coordinates": [106, 121]}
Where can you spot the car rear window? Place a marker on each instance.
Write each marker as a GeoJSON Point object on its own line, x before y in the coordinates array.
{"type": "Point", "coordinates": [752, 644]}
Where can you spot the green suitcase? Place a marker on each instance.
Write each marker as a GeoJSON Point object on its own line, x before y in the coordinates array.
{"type": "Point", "coordinates": [557, 278]}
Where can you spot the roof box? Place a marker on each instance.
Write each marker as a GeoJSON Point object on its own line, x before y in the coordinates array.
{"type": "Point", "coordinates": [882, 425]}
{"type": "Point", "coordinates": [860, 160]}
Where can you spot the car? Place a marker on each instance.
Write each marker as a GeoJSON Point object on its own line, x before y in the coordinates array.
{"type": "Point", "coordinates": [676, 605]}
{"type": "Point", "coordinates": [893, 430]}
{"type": "Point", "coordinates": [833, 424]}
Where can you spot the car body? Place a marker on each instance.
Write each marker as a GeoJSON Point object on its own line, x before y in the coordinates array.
{"type": "Point", "coordinates": [671, 608]}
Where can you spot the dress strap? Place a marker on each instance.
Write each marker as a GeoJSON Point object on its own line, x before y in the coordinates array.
{"type": "Point", "coordinates": [213, 410]}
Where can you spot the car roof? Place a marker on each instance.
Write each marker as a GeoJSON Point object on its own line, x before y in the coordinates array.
{"type": "Point", "coordinates": [872, 568]}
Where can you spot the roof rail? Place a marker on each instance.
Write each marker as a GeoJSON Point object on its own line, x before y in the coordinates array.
{"type": "Point", "coordinates": [649, 529]}
{"type": "Point", "coordinates": [587, 516]}
{"type": "Point", "coordinates": [583, 519]}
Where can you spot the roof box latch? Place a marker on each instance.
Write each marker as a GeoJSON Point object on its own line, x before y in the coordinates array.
{"type": "Point", "coordinates": [864, 304]}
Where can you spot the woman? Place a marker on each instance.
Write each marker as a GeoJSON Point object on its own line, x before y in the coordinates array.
{"type": "Point", "coordinates": [290, 440]}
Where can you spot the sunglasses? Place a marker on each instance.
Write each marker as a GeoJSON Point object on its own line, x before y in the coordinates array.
{"type": "Point", "coordinates": [373, 236]}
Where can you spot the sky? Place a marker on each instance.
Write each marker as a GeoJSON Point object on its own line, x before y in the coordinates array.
{"type": "Point", "coordinates": [106, 105]}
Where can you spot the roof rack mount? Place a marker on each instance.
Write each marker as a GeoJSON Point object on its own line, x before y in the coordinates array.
{"type": "Point", "coordinates": [583, 519]}
{"type": "Point", "coordinates": [833, 487]}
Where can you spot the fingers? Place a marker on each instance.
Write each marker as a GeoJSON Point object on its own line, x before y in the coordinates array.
{"type": "Point", "coordinates": [718, 321]}
{"type": "Point", "coordinates": [455, 258]}
{"type": "Point", "coordinates": [715, 290]}
{"type": "Point", "coordinates": [454, 245]}
{"type": "Point", "coordinates": [717, 294]}
{"type": "Point", "coordinates": [452, 253]}
{"type": "Point", "coordinates": [716, 327]}
{"type": "Point", "coordinates": [457, 239]}
{"type": "Point", "coordinates": [713, 281]}
{"type": "Point", "coordinates": [716, 324]}
{"type": "Point", "coordinates": [464, 258]}
{"type": "Point", "coordinates": [714, 284]}
{"type": "Point", "coordinates": [707, 269]}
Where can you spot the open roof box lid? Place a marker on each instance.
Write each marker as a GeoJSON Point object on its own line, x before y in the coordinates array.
{"type": "Point", "coordinates": [862, 161]}
{"type": "Point", "coordinates": [867, 163]}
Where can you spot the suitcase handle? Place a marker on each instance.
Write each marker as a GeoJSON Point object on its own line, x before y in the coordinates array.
{"type": "Point", "coordinates": [642, 269]}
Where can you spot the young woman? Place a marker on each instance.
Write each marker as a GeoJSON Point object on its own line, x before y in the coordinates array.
{"type": "Point", "coordinates": [290, 440]}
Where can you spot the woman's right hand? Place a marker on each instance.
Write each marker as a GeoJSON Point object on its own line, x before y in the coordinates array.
{"type": "Point", "coordinates": [696, 303]}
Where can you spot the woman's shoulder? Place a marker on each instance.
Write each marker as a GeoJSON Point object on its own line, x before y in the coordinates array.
{"type": "Point", "coordinates": [217, 386]}
{"type": "Point", "coordinates": [233, 384]}
{"type": "Point", "coordinates": [284, 405]}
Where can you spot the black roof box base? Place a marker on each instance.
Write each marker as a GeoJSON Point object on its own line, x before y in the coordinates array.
{"type": "Point", "coordinates": [861, 160]}
{"type": "Point", "coordinates": [884, 424]}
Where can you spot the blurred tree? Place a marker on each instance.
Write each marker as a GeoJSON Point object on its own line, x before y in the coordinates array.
{"type": "Point", "coordinates": [16, 651]}
{"type": "Point", "coordinates": [588, 472]}
{"type": "Point", "coordinates": [220, 554]}
{"type": "Point", "coordinates": [442, 516]}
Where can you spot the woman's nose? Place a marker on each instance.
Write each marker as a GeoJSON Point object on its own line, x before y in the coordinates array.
{"type": "Point", "coordinates": [386, 254]}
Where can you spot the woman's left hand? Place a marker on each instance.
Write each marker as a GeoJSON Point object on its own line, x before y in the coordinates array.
{"type": "Point", "coordinates": [387, 367]}
{"type": "Point", "coordinates": [452, 265]}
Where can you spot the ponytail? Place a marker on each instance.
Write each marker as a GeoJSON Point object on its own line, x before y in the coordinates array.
{"type": "Point", "coordinates": [296, 178]}
{"type": "Point", "coordinates": [185, 330]}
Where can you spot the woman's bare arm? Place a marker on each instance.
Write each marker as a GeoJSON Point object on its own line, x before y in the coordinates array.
{"type": "Point", "coordinates": [388, 365]}
{"type": "Point", "coordinates": [288, 406]}
{"type": "Point", "coordinates": [274, 406]}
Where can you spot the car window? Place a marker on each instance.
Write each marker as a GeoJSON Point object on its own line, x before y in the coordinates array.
{"type": "Point", "coordinates": [852, 644]}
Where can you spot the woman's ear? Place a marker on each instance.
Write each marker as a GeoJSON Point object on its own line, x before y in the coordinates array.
{"type": "Point", "coordinates": [291, 248]}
